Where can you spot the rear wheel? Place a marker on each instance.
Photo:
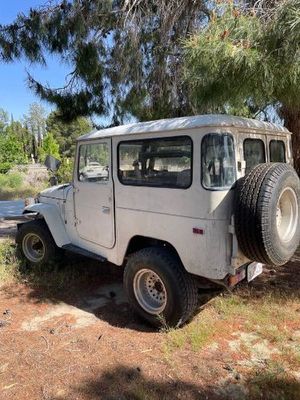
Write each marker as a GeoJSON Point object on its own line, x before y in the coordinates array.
{"type": "Point", "coordinates": [158, 288]}
{"type": "Point", "coordinates": [35, 243]}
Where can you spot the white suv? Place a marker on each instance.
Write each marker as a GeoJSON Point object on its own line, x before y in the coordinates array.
{"type": "Point", "coordinates": [209, 196]}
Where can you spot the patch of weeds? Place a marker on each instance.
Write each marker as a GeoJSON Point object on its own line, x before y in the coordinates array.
{"type": "Point", "coordinates": [290, 354]}
{"type": "Point", "coordinates": [139, 392]}
{"type": "Point", "coordinates": [268, 316]}
{"type": "Point", "coordinates": [273, 382]}
{"type": "Point", "coordinates": [197, 334]}
{"type": "Point", "coordinates": [9, 263]}
{"type": "Point", "coordinates": [12, 186]}
{"type": "Point", "coordinates": [271, 317]}
{"type": "Point", "coordinates": [231, 305]}
{"type": "Point", "coordinates": [60, 276]}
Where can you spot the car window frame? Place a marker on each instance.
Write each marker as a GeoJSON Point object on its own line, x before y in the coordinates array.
{"type": "Point", "coordinates": [218, 189]}
{"type": "Point", "coordinates": [284, 147]}
{"type": "Point", "coordinates": [264, 147]}
{"type": "Point", "coordinates": [94, 142]}
{"type": "Point", "coordinates": [165, 138]}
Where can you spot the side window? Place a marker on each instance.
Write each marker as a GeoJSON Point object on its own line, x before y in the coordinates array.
{"type": "Point", "coordinates": [254, 153]}
{"type": "Point", "coordinates": [218, 161]}
{"type": "Point", "coordinates": [277, 151]}
{"type": "Point", "coordinates": [93, 165]}
{"type": "Point", "coordinates": [163, 162]}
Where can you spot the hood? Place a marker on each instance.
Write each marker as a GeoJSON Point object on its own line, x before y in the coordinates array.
{"type": "Point", "coordinates": [58, 192]}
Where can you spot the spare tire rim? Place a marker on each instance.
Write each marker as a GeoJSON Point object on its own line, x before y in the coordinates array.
{"type": "Point", "coordinates": [150, 291]}
{"type": "Point", "coordinates": [33, 247]}
{"type": "Point", "coordinates": [287, 214]}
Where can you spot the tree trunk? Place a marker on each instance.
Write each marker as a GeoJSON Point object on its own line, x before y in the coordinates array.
{"type": "Point", "coordinates": [292, 123]}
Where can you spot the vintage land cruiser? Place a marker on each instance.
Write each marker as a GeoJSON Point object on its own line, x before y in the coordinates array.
{"type": "Point", "coordinates": [175, 201]}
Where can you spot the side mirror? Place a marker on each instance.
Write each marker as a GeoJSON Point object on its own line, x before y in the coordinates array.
{"type": "Point", "coordinates": [52, 163]}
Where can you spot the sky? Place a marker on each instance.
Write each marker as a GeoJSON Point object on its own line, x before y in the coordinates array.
{"type": "Point", "coordinates": [15, 96]}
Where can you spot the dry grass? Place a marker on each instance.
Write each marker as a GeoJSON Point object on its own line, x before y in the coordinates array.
{"type": "Point", "coordinates": [9, 264]}
{"type": "Point", "coordinates": [273, 319]}
{"type": "Point", "coordinates": [271, 316]}
{"type": "Point", "coordinates": [18, 185]}
{"type": "Point", "coordinates": [19, 193]}
{"type": "Point", "coordinates": [61, 276]}
{"type": "Point", "coordinates": [273, 382]}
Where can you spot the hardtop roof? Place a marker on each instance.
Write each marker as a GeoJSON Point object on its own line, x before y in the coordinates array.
{"type": "Point", "coordinates": [176, 124]}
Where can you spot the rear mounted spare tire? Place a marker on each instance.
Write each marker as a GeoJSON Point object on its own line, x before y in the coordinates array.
{"type": "Point", "coordinates": [267, 210]}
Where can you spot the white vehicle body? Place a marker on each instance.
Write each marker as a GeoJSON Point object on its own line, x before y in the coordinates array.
{"type": "Point", "coordinates": [93, 170]}
{"type": "Point", "coordinates": [109, 218]}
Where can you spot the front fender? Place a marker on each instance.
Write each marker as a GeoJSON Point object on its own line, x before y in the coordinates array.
{"type": "Point", "coordinates": [53, 219]}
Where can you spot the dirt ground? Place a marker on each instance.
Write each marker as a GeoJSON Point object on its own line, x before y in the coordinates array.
{"type": "Point", "coordinates": [85, 343]}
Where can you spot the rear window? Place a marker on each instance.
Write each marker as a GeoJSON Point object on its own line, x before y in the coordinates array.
{"type": "Point", "coordinates": [218, 161]}
{"type": "Point", "coordinates": [163, 162]}
{"type": "Point", "coordinates": [277, 151]}
{"type": "Point", "coordinates": [254, 153]}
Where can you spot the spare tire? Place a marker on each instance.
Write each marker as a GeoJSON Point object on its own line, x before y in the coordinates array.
{"type": "Point", "coordinates": [267, 204]}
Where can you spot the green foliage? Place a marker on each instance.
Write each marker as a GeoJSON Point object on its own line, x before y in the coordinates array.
{"type": "Point", "coordinates": [66, 133]}
{"type": "Point", "coordinates": [11, 181]}
{"type": "Point", "coordinates": [65, 171]}
{"type": "Point", "coordinates": [11, 152]}
{"type": "Point", "coordinates": [125, 55]}
{"type": "Point", "coordinates": [8, 262]}
{"type": "Point", "coordinates": [19, 185]}
{"type": "Point", "coordinates": [50, 147]}
{"type": "Point", "coordinates": [249, 58]}
{"type": "Point", "coordinates": [244, 54]}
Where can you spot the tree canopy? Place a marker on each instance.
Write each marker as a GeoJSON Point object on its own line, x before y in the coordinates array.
{"type": "Point", "coordinates": [125, 55]}
{"type": "Point", "coordinates": [66, 133]}
{"type": "Point", "coordinates": [249, 56]}
{"type": "Point", "coordinates": [11, 146]}
{"type": "Point", "coordinates": [36, 135]}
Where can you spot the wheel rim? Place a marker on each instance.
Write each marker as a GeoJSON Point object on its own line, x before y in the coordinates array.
{"type": "Point", "coordinates": [150, 291]}
{"type": "Point", "coordinates": [287, 214]}
{"type": "Point", "coordinates": [33, 247]}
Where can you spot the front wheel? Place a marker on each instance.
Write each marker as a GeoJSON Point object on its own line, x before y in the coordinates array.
{"type": "Point", "coordinates": [158, 288]}
{"type": "Point", "coordinates": [35, 243]}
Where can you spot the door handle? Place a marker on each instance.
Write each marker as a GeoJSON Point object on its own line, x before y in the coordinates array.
{"type": "Point", "coordinates": [105, 209]}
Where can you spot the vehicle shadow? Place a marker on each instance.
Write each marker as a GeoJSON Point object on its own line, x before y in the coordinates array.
{"type": "Point", "coordinates": [96, 288]}
{"type": "Point", "coordinates": [93, 287]}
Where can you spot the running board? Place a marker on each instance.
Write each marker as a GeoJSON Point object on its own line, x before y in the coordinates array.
{"type": "Point", "coordinates": [83, 252]}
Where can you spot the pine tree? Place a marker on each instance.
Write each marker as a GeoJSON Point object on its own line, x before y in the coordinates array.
{"type": "Point", "coordinates": [249, 56]}
{"type": "Point", "coordinates": [126, 55]}
{"type": "Point", "coordinates": [66, 133]}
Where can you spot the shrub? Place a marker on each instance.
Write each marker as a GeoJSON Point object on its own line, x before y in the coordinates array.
{"type": "Point", "coordinates": [11, 181]}
{"type": "Point", "coordinates": [16, 185]}
{"type": "Point", "coordinates": [65, 171]}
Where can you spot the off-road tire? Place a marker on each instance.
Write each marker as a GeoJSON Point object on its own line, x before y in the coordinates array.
{"type": "Point", "coordinates": [38, 228]}
{"type": "Point", "coordinates": [180, 287]}
{"type": "Point", "coordinates": [256, 208]}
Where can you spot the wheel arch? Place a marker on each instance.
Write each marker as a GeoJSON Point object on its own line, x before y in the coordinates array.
{"type": "Point", "coordinates": [51, 215]}
{"type": "Point", "coordinates": [139, 242]}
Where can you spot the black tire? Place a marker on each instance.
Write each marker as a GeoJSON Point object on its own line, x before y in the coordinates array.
{"type": "Point", "coordinates": [258, 213]}
{"type": "Point", "coordinates": [44, 241]}
{"type": "Point", "coordinates": [180, 287]}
